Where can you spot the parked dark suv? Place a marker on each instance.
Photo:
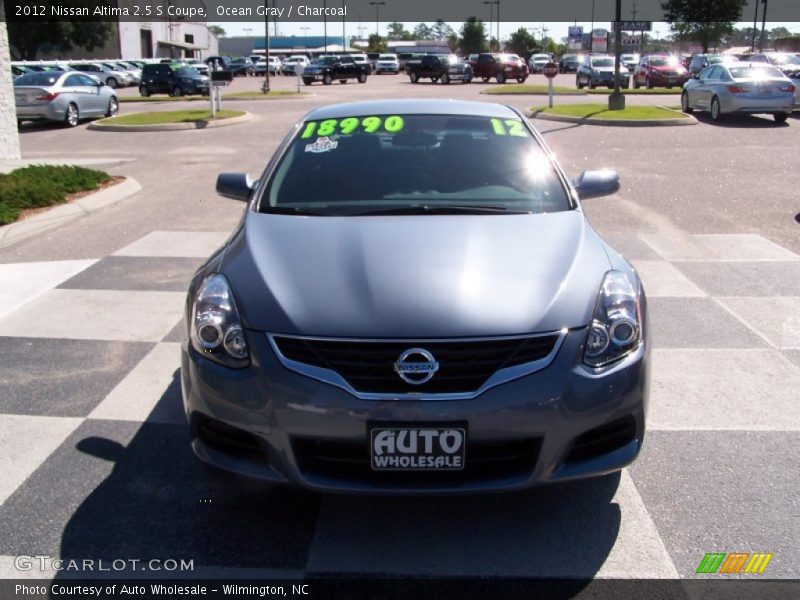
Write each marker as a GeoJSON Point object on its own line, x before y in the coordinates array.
{"type": "Point", "coordinates": [173, 79]}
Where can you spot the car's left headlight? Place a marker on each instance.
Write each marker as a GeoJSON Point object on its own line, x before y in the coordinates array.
{"type": "Point", "coordinates": [616, 328]}
{"type": "Point", "coordinates": [216, 329]}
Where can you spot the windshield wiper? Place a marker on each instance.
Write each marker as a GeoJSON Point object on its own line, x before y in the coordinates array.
{"type": "Point", "coordinates": [293, 210]}
{"type": "Point", "coordinates": [448, 209]}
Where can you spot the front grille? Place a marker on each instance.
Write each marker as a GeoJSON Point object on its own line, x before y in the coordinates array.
{"type": "Point", "coordinates": [464, 366]}
{"type": "Point", "coordinates": [602, 440]}
{"type": "Point", "coordinates": [349, 462]}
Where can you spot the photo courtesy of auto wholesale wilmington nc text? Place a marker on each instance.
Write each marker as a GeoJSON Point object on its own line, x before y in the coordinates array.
{"type": "Point", "coordinates": [189, 590]}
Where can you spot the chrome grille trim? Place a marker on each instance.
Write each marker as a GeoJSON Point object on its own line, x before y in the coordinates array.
{"type": "Point", "coordinates": [497, 378]}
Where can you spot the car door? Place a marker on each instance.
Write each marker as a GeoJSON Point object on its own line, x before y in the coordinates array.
{"type": "Point", "coordinates": [92, 92]}
{"type": "Point", "coordinates": [705, 88]}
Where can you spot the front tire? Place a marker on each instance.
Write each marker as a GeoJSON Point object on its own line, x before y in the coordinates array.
{"type": "Point", "coordinates": [327, 79]}
{"type": "Point", "coordinates": [362, 78]}
{"type": "Point", "coordinates": [413, 77]}
{"type": "Point", "coordinates": [648, 84]}
{"type": "Point", "coordinates": [308, 81]}
{"type": "Point", "coordinates": [177, 92]}
{"type": "Point", "coordinates": [501, 78]}
{"type": "Point", "coordinates": [780, 117]}
{"type": "Point", "coordinates": [520, 80]}
{"type": "Point", "coordinates": [578, 83]}
{"type": "Point", "coordinates": [143, 91]}
{"type": "Point", "coordinates": [635, 83]}
{"type": "Point", "coordinates": [685, 107]}
{"type": "Point", "coordinates": [111, 82]}
{"type": "Point", "coordinates": [445, 78]}
{"type": "Point", "coordinates": [716, 110]}
{"type": "Point", "coordinates": [113, 108]}
{"type": "Point", "coordinates": [72, 116]}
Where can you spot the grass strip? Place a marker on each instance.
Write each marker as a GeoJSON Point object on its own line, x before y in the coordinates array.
{"type": "Point", "coordinates": [39, 186]}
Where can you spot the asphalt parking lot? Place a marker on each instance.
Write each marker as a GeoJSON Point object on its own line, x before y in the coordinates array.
{"type": "Point", "coordinates": [91, 422]}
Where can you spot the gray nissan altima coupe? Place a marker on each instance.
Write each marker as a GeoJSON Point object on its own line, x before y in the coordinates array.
{"type": "Point", "coordinates": [443, 321]}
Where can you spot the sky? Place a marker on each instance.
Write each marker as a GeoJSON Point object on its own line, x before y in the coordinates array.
{"type": "Point", "coordinates": [554, 30]}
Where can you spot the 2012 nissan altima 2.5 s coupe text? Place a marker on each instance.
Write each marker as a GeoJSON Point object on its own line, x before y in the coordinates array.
{"type": "Point", "coordinates": [446, 321]}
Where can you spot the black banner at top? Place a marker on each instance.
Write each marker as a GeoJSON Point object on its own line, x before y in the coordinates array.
{"type": "Point", "coordinates": [216, 11]}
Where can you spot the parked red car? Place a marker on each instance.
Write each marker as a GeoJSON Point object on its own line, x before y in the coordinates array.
{"type": "Point", "coordinates": [659, 71]}
{"type": "Point", "coordinates": [500, 66]}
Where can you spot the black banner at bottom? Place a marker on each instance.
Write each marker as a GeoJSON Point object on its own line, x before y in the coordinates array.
{"type": "Point", "coordinates": [358, 588]}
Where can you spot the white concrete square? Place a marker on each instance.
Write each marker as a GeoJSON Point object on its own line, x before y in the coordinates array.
{"type": "Point", "coordinates": [22, 282]}
{"type": "Point", "coordinates": [721, 247]}
{"type": "Point", "coordinates": [573, 531]}
{"type": "Point", "coordinates": [97, 315]}
{"type": "Point", "coordinates": [660, 278]}
{"type": "Point", "coordinates": [19, 454]}
{"type": "Point", "coordinates": [177, 244]}
{"type": "Point", "coordinates": [135, 397]}
{"type": "Point", "coordinates": [776, 319]}
{"type": "Point", "coordinates": [700, 389]}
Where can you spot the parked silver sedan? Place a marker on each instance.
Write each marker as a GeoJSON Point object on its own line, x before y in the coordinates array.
{"type": "Point", "coordinates": [749, 88]}
{"type": "Point", "coordinates": [64, 97]}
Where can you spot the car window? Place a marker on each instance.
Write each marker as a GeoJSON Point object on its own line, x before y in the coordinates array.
{"type": "Point", "coordinates": [756, 72]}
{"type": "Point", "coordinates": [74, 80]}
{"type": "Point", "coordinates": [602, 62]}
{"type": "Point", "coordinates": [430, 160]}
{"type": "Point", "coordinates": [42, 78]}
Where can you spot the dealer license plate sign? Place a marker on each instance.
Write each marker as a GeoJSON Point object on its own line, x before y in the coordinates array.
{"type": "Point", "coordinates": [417, 448]}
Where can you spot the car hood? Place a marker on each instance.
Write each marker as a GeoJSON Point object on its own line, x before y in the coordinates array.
{"type": "Point", "coordinates": [415, 276]}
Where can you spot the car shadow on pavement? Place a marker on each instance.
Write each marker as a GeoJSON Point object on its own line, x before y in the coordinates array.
{"type": "Point", "coordinates": [739, 121]}
{"type": "Point", "coordinates": [140, 493]}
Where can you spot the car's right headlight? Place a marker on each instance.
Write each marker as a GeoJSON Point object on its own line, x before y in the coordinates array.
{"type": "Point", "coordinates": [616, 328]}
{"type": "Point", "coordinates": [216, 329]}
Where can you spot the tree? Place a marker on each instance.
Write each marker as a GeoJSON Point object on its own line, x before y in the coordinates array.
{"type": "Point", "coordinates": [704, 21]}
{"type": "Point", "coordinates": [452, 42]}
{"type": "Point", "coordinates": [396, 31]}
{"type": "Point", "coordinates": [217, 30]}
{"type": "Point", "coordinates": [473, 37]}
{"type": "Point", "coordinates": [376, 43]}
{"type": "Point", "coordinates": [422, 32]}
{"type": "Point", "coordinates": [441, 30]}
{"type": "Point", "coordinates": [28, 39]}
{"type": "Point", "coordinates": [494, 45]}
{"type": "Point", "coordinates": [521, 42]}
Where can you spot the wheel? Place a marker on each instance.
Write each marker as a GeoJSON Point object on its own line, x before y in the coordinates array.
{"type": "Point", "coordinates": [591, 84]}
{"type": "Point", "coordinates": [362, 78]}
{"type": "Point", "coordinates": [307, 81]}
{"type": "Point", "coordinates": [520, 80]}
{"type": "Point", "coordinates": [343, 81]}
{"type": "Point", "coordinates": [71, 117]}
{"type": "Point", "coordinates": [485, 79]}
{"type": "Point", "coordinates": [780, 117]}
{"type": "Point", "coordinates": [501, 78]}
{"type": "Point", "coordinates": [327, 79]}
{"type": "Point", "coordinates": [143, 91]}
{"type": "Point", "coordinates": [413, 77]}
{"type": "Point", "coordinates": [177, 92]}
{"type": "Point", "coordinates": [111, 82]}
{"type": "Point", "coordinates": [113, 108]}
{"type": "Point", "coordinates": [648, 84]}
{"type": "Point", "coordinates": [685, 103]}
{"type": "Point", "coordinates": [578, 83]}
{"type": "Point", "coordinates": [716, 111]}
{"type": "Point", "coordinates": [445, 78]}
{"type": "Point", "coordinates": [434, 79]}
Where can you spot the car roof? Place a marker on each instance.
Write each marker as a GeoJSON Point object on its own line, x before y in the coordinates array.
{"type": "Point", "coordinates": [412, 107]}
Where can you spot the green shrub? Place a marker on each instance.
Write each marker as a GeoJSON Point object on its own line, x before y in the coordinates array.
{"type": "Point", "coordinates": [42, 185]}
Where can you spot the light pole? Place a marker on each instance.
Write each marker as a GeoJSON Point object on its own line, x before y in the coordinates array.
{"type": "Point", "coordinates": [305, 36]}
{"type": "Point", "coordinates": [763, 24]}
{"type": "Point", "coordinates": [591, 31]}
{"type": "Point", "coordinates": [265, 85]}
{"type": "Point", "coordinates": [377, 6]}
{"type": "Point", "coordinates": [325, 26]}
{"type": "Point", "coordinates": [491, 4]}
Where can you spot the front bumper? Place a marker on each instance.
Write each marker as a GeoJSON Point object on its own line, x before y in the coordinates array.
{"type": "Point", "coordinates": [271, 423]}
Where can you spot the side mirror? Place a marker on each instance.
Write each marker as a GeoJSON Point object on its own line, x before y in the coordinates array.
{"type": "Point", "coordinates": [236, 186]}
{"type": "Point", "coordinates": [101, 84]}
{"type": "Point", "coordinates": [592, 184]}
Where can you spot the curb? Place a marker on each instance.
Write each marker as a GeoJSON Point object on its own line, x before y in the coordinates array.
{"type": "Point", "coordinates": [686, 120]}
{"type": "Point", "coordinates": [98, 126]}
{"type": "Point", "coordinates": [65, 213]}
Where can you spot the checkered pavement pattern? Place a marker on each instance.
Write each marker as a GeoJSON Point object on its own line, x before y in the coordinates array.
{"type": "Point", "coordinates": [96, 462]}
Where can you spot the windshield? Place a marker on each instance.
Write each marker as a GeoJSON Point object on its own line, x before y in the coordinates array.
{"type": "Point", "coordinates": [186, 72]}
{"type": "Point", "coordinates": [713, 60]}
{"type": "Point", "coordinates": [416, 162]}
{"type": "Point", "coordinates": [38, 78]}
{"type": "Point", "coordinates": [325, 60]}
{"type": "Point", "coordinates": [663, 61]}
{"type": "Point", "coordinates": [387, 57]}
{"type": "Point", "coordinates": [765, 72]}
{"type": "Point", "coordinates": [602, 62]}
